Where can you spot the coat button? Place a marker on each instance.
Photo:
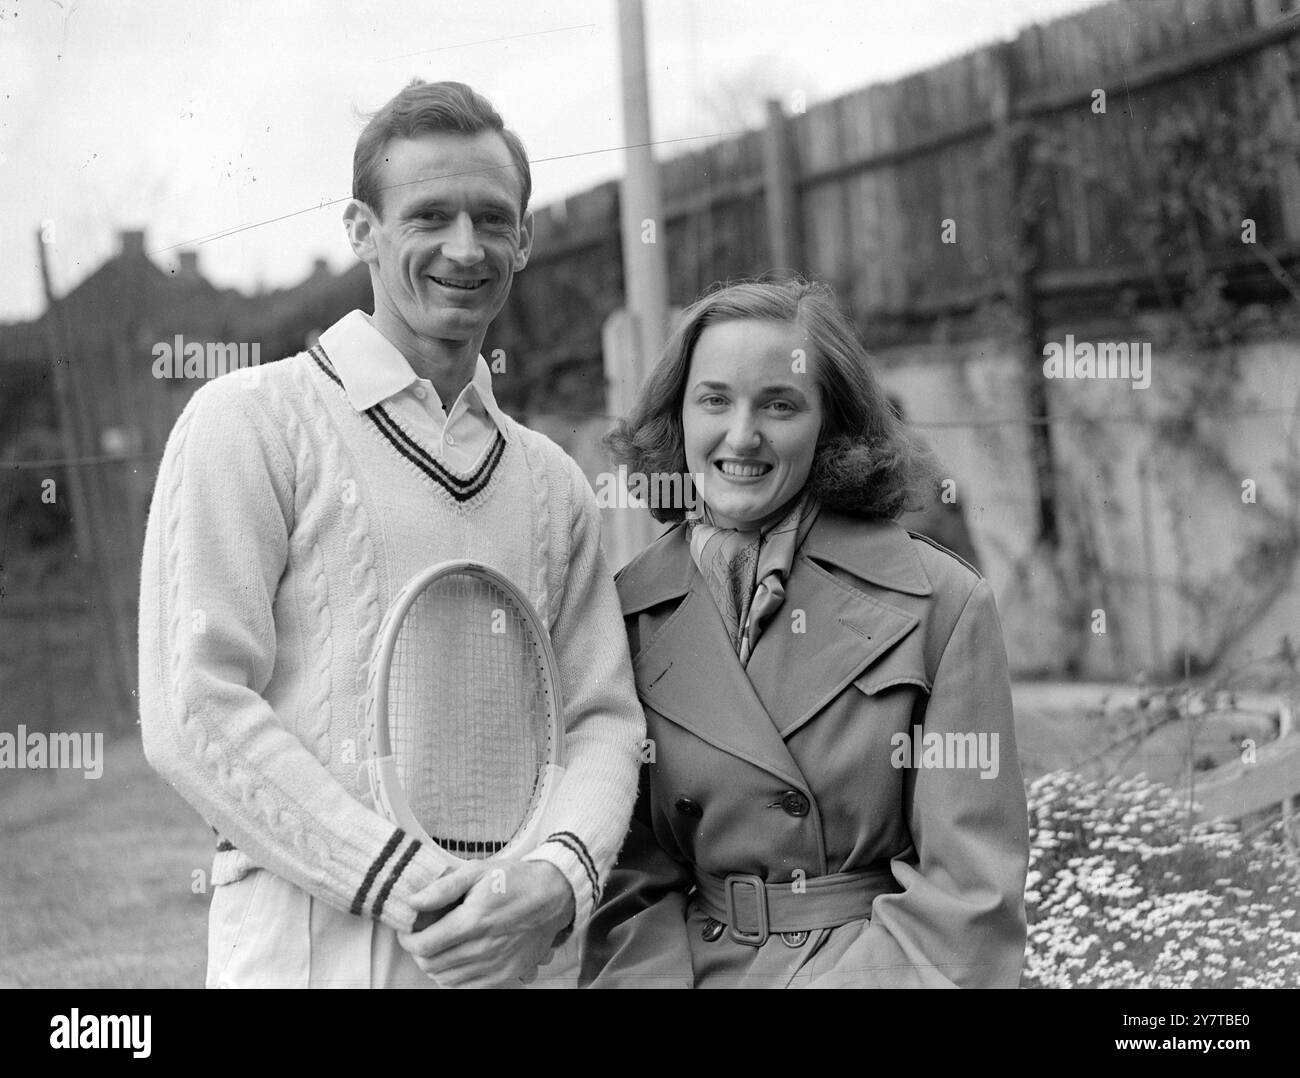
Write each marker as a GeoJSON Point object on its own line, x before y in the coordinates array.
{"type": "Point", "coordinates": [687, 807]}
{"type": "Point", "coordinates": [794, 803]}
{"type": "Point", "coordinates": [794, 939]}
{"type": "Point", "coordinates": [712, 930]}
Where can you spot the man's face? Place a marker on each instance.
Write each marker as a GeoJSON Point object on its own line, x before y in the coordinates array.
{"type": "Point", "coordinates": [450, 238]}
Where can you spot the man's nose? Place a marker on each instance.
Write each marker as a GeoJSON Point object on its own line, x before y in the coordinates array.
{"type": "Point", "coordinates": [461, 244]}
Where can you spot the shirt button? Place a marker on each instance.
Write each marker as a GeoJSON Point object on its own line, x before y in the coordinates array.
{"type": "Point", "coordinates": [794, 803]}
{"type": "Point", "coordinates": [450, 440]}
{"type": "Point", "coordinates": [420, 393]}
{"type": "Point", "coordinates": [712, 930]}
{"type": "Point", "coordinates": [687, 807]}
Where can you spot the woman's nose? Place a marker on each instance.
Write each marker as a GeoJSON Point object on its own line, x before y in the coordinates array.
{"type": "Point", "coordinates": [743, 434]}
{"type": "Point", "coordinates": [461, 245]}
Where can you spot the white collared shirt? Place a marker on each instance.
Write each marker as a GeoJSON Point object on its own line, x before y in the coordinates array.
{"type": "Point", "coordinates": [374, 372]}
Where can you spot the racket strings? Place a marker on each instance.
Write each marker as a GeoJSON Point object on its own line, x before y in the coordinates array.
{"type": "Point", "coordinates": [468, 710]}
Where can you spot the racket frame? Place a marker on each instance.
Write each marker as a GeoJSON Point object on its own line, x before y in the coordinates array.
{"type": "Point", "coordinates": [382, 764]}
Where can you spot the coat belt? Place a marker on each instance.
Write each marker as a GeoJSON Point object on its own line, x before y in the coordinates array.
{"type": "Point", "coordinates": [753, 909]}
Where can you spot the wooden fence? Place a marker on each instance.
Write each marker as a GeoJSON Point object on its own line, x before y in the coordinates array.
{"type": "Point", "coordinates": [1046, 195]}
{"type": "Point", "coordinates": [1092, 164]}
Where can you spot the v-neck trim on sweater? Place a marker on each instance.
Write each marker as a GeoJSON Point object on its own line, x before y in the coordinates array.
{"type": "Point", "coordinates": [461, 487]}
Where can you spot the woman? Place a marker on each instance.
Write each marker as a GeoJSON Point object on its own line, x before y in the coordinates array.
{"type": "Point", "coordinates": [832, 795]}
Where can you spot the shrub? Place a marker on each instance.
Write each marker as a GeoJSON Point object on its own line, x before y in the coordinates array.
{"type": "Point", "coordinates": [1123, 894]}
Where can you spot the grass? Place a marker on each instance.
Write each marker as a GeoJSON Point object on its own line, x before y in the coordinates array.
{"type": "Point", "coordinates": [97, 887]}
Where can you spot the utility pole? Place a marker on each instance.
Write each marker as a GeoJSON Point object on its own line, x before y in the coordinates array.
{"type": "Point", "coordinates": [634, 336]}
{"type": "Point", "coordinates": [645, 264]}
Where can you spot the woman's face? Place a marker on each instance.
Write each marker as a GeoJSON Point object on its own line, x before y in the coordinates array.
{"type": "Point", "coordinates": [751, 416]}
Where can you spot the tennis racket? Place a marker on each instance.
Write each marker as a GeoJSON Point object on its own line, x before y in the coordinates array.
{"type": "Point", "coordinates": [465, 716]}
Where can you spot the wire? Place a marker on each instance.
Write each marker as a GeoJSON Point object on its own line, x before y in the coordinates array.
{"type": "Point", "coordinates": [487, 41]}
{"type": "Point", "coordinates": [448, 175]}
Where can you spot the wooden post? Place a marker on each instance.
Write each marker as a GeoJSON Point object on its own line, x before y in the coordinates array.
{"type": "Point", "coordinates": [1016, 137]}
{"type": "Point", "coordinates": [131, 410]}
{"type": "Point", "coordinates": [81, 531]}
{"type": "Point", "coordinates": [1275, 74]}
{"type": "Point", "coordinates": [1285, 726]}
{"type": "Point", "coordinates": [1155, 633]}
{"type": "Point", "coordinates": [88, 513]}
{"type": "Point", "coordinates": [645, 266]}
{"type": "Point", "coordinates": [625, 531]}
{"type": "Point", "coordinates": [781, 194]}
{"type": "Point", "coordinates": [633, 339]}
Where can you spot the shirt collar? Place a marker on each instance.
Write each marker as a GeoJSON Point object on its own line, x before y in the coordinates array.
{"type": "Point", "coordinates": [372, 369]}
{"type": "Point", "coordinates": [481, 386]}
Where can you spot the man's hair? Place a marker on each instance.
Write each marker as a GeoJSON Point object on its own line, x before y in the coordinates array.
{"type": "Point", "coordinates": [866, 464]}
{"type": "Point", "coordinates": [423, 107]}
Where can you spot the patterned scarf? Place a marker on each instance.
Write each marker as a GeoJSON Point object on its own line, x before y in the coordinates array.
{"type": "Point", "coordinates": [746, 571]}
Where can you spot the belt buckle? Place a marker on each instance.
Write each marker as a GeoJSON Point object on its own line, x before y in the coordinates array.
{"type": "Point", "coordinates": [729, 885]}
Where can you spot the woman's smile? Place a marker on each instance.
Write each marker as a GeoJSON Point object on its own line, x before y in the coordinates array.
{"type": "Point", "coordinates": [742, 471]}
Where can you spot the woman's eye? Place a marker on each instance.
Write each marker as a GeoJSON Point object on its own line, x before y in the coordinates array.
{"type": "Point", "coordinates": [782, 407]}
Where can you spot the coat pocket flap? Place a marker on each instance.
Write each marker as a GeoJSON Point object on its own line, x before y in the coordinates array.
{"type": "Point", "coordinates": [903, 664]}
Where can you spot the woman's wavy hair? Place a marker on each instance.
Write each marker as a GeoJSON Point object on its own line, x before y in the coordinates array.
{"type": "Point", "coordinates": [866, 463]}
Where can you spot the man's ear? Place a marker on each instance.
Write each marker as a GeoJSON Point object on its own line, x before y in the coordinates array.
{"type": "Point", "coordinates": [525, 241]}
{"type": "Point", "coordinates": [359, 220]}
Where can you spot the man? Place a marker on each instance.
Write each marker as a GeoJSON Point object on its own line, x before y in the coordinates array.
{"type": "Point", "coordinates": [292, 503]}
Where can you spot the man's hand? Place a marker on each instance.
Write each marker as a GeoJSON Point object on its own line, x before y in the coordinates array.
{"type": "Point", "coordinates": [502, 931]}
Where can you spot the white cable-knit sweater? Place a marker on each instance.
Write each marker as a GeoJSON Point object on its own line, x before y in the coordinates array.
{"type": "Point", "coordinates": [282, 523]}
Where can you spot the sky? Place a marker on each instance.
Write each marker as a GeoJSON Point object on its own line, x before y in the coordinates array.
{"type": "Point", "coordinates": [229, 127]}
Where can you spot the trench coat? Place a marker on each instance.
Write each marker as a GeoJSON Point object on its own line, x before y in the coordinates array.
{"type": "Point", "coordinates": [794, 768]}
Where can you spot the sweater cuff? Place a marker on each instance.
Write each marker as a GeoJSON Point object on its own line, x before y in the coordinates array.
{"type": "Point", "coordinates": [567, 852]}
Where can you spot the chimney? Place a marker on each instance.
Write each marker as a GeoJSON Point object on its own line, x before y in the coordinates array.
{"type": "Point", "coordinates": [188, 264]}
{"type": "Point", "coordinates": [132, 243]}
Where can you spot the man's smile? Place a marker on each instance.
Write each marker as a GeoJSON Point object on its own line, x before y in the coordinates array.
{"type": "Point", "coordinates": [464, 285]}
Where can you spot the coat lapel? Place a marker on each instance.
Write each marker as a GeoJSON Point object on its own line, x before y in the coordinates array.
{"type": "Point", "coordinates": [845, 629]}
{"type": "Point", "coordinates": [688, 672]}
{"type": "Point", "coordinates": [792, 675]}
